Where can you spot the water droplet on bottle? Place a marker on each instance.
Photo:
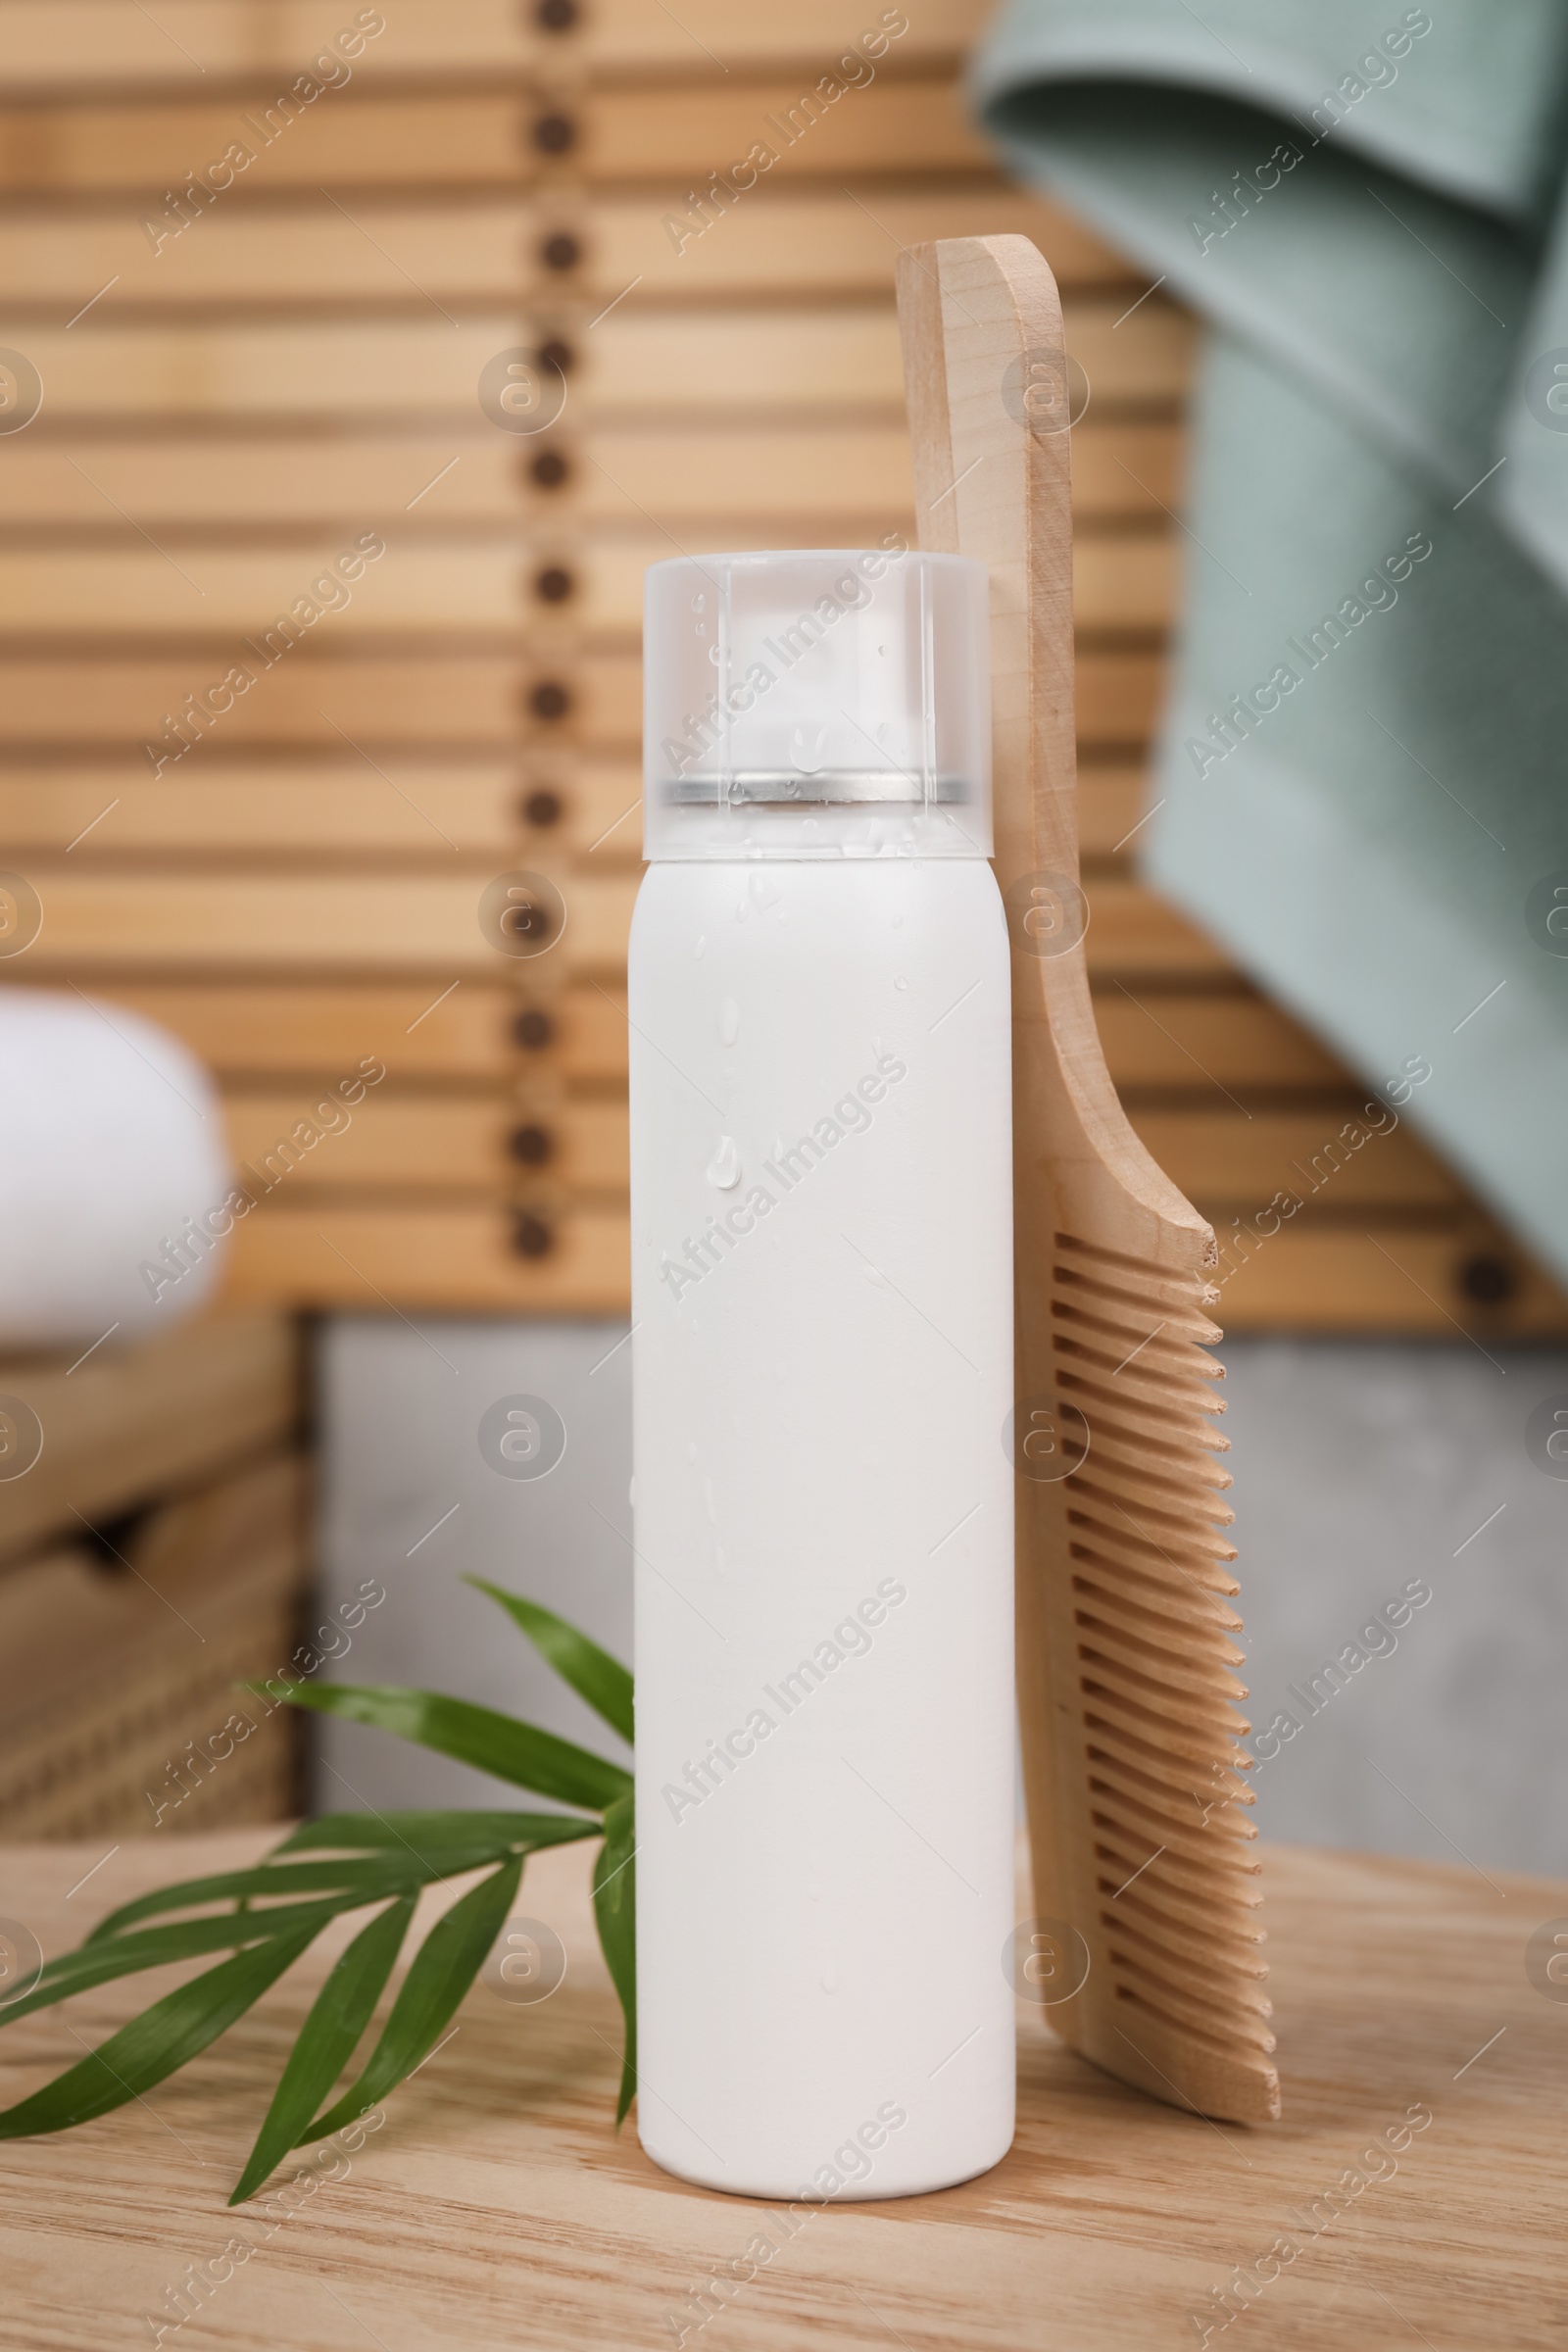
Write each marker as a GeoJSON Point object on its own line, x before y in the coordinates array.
{"type": "Point", "coordinates": [702, 946]}
{"type": "Point", "coordinates": [900, 984]}
{"type": "Point", "coordinates": [898, 922]}
{"type": "Point", "coordinates": [808, 750]}
{"type": "Point", "coordinates": [730, 1021]}
{"type": "Point", "coordinates": [873, 1274]}
{"type": "Point", "coordinates": [708, 1502]}
{"type": "Point", "coordinates": [724, 1168]}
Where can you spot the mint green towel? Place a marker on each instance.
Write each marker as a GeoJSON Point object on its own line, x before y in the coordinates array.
{"type": "Point", "coordinates": [1363, 764]}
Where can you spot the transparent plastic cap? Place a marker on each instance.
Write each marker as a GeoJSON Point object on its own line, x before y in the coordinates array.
{"type": "Point", "coordinates": [821, 703]}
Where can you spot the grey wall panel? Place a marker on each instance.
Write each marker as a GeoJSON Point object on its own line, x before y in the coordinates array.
{"type": "Point", "coordinates": [1362, 1466]}
{"type": "Point", "coordinates": [408, 1497]}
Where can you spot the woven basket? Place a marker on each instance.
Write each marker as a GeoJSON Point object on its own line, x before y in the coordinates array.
{"type": "Point", "coordinates": [119, 1712]}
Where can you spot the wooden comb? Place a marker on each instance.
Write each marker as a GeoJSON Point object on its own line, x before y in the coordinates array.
{"type": "Point", "coordinates": [1126, 1689]}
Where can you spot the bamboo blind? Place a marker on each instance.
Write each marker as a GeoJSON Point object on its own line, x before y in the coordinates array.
{"type": "Point", "coordinates": [270, 262]}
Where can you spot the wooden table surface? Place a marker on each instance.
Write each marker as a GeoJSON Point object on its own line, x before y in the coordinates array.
{"type": "Point", "coordinates": [496, 2207]}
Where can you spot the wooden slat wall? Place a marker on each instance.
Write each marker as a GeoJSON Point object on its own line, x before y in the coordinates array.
{"type": "Point", "coordinates": [240, 385]}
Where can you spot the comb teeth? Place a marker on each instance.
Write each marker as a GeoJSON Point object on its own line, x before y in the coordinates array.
{"type": "Point", "coordinates": [1138, 1355]}
{"type": "Point", "coordinates": [1140, 1599]}
{"type": "Point", "coordinates": [1149, 1970]}
{"type": "Point", "coordinates": [1159, 1613]}
{"type": "Point", "coordinates": [1146, 1275]}
{"type": "Point", "coordinates": [1217, 2023]}
{"type": "Point", "coordinates": [1103, 1645]}
{"type": "Point", "coordinates": [1166, 1917]}
{"type": "Point", "coordinates": [1146, 1529]}
{"type": "Point", "coordinates": [1191, 1756]}
{"type": "Point", "coordinates": [1164, 1456]}
{"type": "Point", "coordinates": [1094, 1540]}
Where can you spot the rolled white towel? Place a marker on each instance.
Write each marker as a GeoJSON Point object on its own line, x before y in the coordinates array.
{"type": "Point", "coordinates": [114, 1170]}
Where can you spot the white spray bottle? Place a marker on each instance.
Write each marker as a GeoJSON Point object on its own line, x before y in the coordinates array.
{"type": "Point", "coordinates": [823, 1309]}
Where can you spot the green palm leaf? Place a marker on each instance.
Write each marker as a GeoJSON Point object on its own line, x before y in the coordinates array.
{"type": "Point", "coordinates": [597, 1677]}
{"type": "Point", "coordinates": [487, 1836]}
{"type": "Point", "coordinates": [327, 2039]}
{"type": "Point", "coordinates": [158, 2041]}
{"type": "Point", "coordinates": [616, 1915]}
{"type": "Point", "coordinates": [445, 1966]}
{"type": "Point", "coordinates": [93, 1964]}
{"type": "Point", "coordinates": [496, 1744]}
{"type": "Point", "coordinates": [359, 1876]}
